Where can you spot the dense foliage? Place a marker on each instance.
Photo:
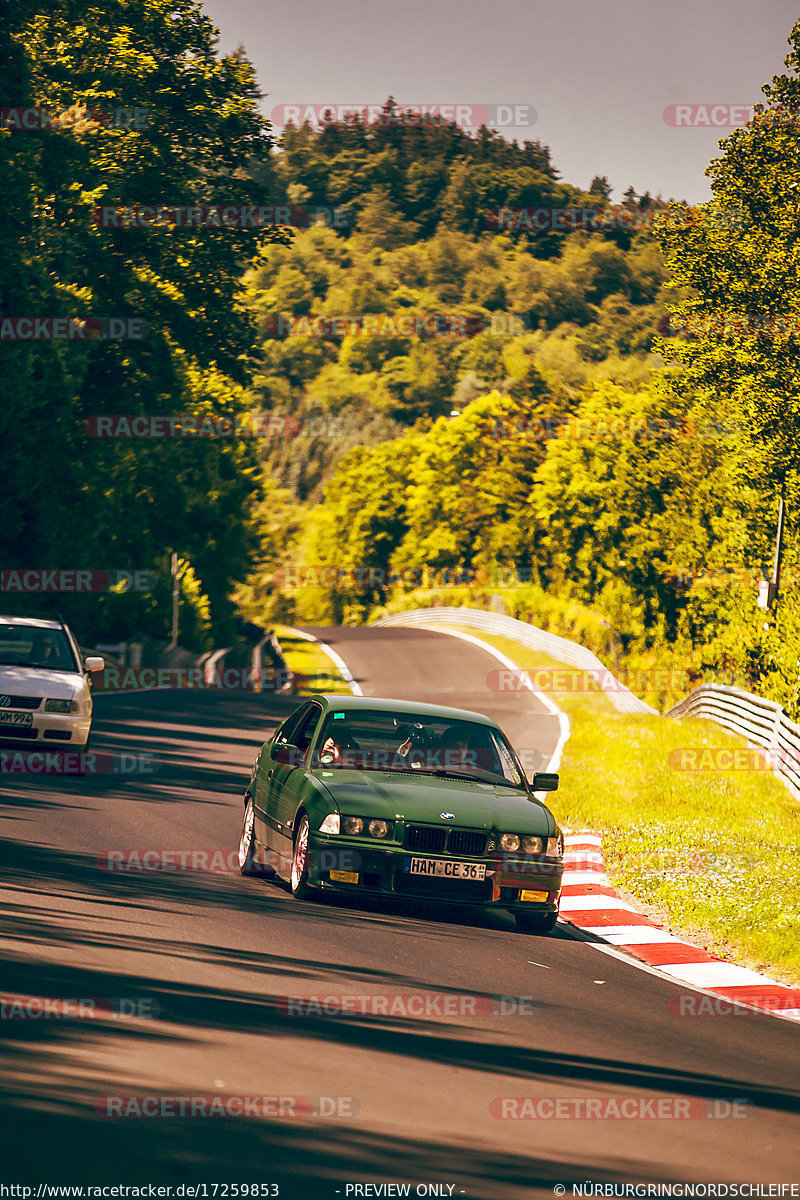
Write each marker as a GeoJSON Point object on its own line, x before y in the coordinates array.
{"type": "Point", "coordinates": [69, 500]}
{"type": "Point", "coordinates": [655, 506]}
{"type": "Point", "coordinates": [453, 393]}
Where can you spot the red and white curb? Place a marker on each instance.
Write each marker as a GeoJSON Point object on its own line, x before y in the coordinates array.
{"type": "Point", "coordinates": [589, 902]}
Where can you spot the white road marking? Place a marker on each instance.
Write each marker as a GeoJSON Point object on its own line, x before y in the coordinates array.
{"type": "Point", "coordinates": [552, 708]}
{"type": "Point", "coordinates": [335, 658]}
{"type": "Point", "coordinates": [632, 935]}
{"type": "Point", "coordinates": [598, 877]}
{"type": "Point", "coordinates": [585, 903]}
{"type": "Point", "coordinates": [715, 974]}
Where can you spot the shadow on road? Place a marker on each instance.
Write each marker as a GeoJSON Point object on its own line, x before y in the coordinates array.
{"type": "Point", "coordinates": [60, 903]}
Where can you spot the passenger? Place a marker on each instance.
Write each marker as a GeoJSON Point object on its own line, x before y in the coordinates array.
{"type": "Point", "coordinates": [457, 750]}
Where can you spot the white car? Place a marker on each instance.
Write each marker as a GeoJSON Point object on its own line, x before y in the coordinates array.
{"type": "Point", "coordinates": [45, 694]}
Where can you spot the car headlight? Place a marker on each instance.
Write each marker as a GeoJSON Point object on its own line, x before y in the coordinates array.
{"type": "Point", "coordinates": [555, 846]}
{"type": "Point", "coordinates": [61, 706]}
{"type": "Point", "coordinates": [509, 841]}
{"type": "Point", "coordinates": [331, 824]}
{"type": "Point", "coordinates": [533, 845]}
{"type": "Point", "coordinates": [367, 827]}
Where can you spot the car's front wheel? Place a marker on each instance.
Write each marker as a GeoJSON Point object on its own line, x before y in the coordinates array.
{"type": "Point", "coordinates": [535, 923]}
{"type": "Point", "coordinates": [247, 863]}
{"type": "Point", "coordinates": [300, 886]}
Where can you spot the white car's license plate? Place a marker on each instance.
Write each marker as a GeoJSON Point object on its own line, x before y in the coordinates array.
{"type": "Point", "coordinates": [15, 718]}
{"type": "Point", "coordinates": [441, 868]}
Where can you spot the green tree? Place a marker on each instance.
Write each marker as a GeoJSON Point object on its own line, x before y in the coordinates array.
{"type": "Point", "coordinates": [200, 131]}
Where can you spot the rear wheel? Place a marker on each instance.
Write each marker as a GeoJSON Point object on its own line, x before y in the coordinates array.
{"type": "Point", "coordinates": [535, 922]}
{"type": "Point", "coordinates": [300, 885]}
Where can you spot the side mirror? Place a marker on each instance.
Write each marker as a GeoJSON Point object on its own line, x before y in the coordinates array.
{"type": "Point", "coordinates": [290, 756]}
{"type": "Point", "coordinates": [94, 664]}
{"type": "Point", "coordinates": [544, 781]}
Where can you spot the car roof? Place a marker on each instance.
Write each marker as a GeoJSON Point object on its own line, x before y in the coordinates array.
{"type": "Point", "coordinates": [387, 704]}
{"type": "Point", "coordinates": [38, 622]}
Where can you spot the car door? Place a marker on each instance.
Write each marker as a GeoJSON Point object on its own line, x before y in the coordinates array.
{"type": "Point", "coordinates": [284, 779]}
{"type": "Point", "coordinates": [265, 769]}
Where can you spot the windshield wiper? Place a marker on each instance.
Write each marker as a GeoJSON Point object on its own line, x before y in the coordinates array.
{"type": "Point", "coordinates": [488, 776]}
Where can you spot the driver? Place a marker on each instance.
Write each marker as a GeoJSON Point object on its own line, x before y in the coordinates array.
{"type": "Point", "coordinates": [44, 651]}
{"type": "Point", "coordinates": [339, 749]}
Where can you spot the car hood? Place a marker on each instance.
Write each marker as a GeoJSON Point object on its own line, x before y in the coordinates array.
{"type": "Point", "coordinates": [425, 798]}
{"type": "Point", "coordinates": [33, 681]}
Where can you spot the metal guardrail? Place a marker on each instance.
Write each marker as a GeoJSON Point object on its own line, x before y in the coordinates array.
{"type": "Point", "coordinates": [621, 697]}
{"type": "Point", "coordinates": [762, 722]}
{"type": "Point", "coordinates": [262, 663]}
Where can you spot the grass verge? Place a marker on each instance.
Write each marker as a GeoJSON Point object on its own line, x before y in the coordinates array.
{"type": "Point", "coordinates": [313, 670]}
{"type": "Point", "coordinates": [712, 854]}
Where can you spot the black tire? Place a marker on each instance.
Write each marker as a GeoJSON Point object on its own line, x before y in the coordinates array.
{"type": "Point", "coordinates": [82, 751]}
{"type": "Point", "coordinates": [535, 923]}
{"type": "Point", "coordinates": [247, 863]}
{"type": "Point", "coordinates": [301, 889]}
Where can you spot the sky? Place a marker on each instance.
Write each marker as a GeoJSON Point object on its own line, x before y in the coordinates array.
{"type": "Point", "coordinates": [593, 77]}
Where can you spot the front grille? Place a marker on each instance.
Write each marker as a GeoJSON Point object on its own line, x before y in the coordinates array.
{"type": "Point", "coordinates": [467, 841]}
{"type": "Point", "coordinates": [426, 837]}
{"type": "Point", "coordinates": [18, 733]}
{"type": "Point", "coordinates": [18, 702]}
{"type": "Point", "coordinates": [437, 840]}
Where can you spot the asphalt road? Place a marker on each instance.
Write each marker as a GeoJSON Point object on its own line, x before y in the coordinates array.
{"type": "Point", "coordinates": [189, 969]}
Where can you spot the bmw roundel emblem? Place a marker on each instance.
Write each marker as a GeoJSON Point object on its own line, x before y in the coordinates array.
{"type": "Point", "coordinates": [447, 816]}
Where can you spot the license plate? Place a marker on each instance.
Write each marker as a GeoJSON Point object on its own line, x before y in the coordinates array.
{"type": "Point", "coordinates": [16, 718]}
{"type": "Point", "coordinates": [442, 869]}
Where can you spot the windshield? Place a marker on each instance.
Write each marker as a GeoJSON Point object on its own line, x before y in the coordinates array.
{"type": "Point", "coordinates": [387, 741]}
{"type": "Point", "coordinates": [32, 646]}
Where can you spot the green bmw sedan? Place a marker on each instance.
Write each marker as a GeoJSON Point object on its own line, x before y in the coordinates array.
{"type": "Point", "coordinates": [362, 795]}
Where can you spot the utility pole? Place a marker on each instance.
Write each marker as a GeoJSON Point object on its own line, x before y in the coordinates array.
{"type": "Point", "coordinates": [768, 588]}
{"type": "Point", "coordinates": [175, 597]}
